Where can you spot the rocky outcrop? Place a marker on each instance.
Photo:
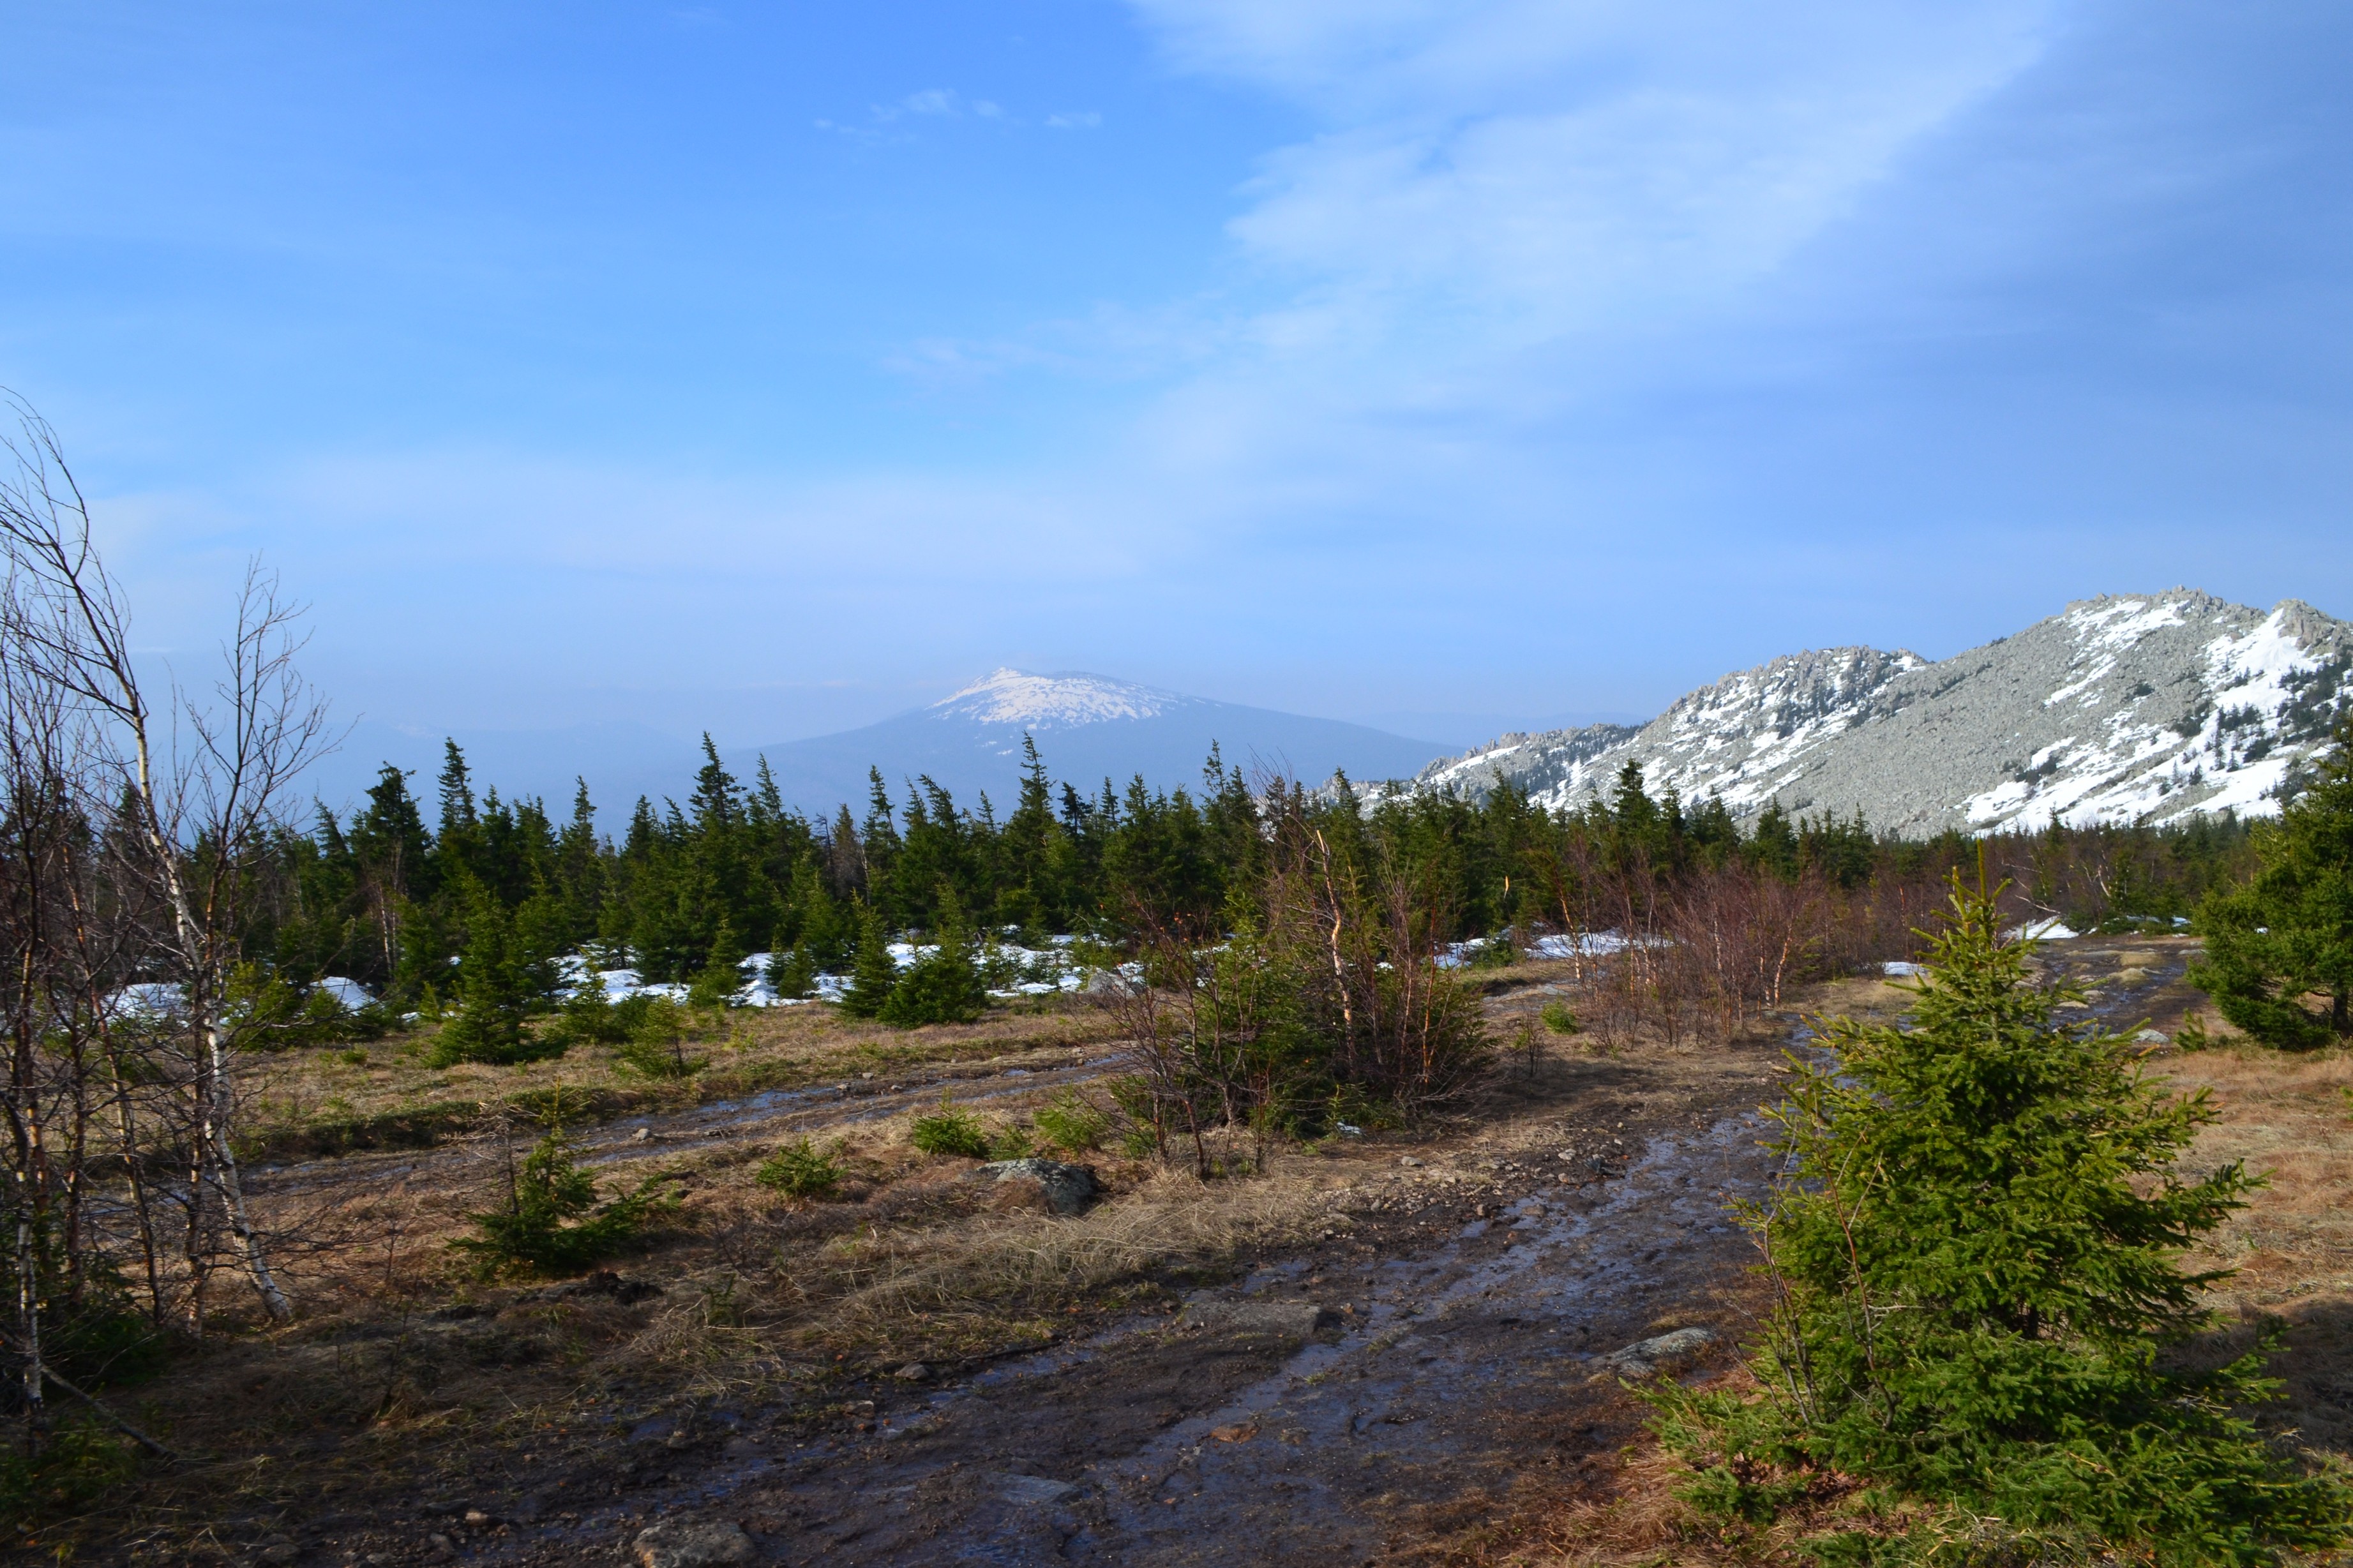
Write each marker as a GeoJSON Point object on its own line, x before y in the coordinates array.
{"type": "Point", "coordinates": [2121, 709]}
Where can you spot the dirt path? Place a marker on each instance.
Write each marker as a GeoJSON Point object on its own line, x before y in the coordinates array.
{"type": "Point", "coordinates": [1316, 1411]}
{"type": "Point", "coordinates": [1326, 1409]}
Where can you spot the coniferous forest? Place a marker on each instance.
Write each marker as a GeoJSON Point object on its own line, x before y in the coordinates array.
{"type": "Point", "coordinates": [407, 890]}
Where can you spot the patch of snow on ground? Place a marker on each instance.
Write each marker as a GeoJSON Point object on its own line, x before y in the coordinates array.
{"type": "Point", "coordinates": [148, 999]}
{"type": "Point", "coordinates": [1592, 944]}
{"type": "Point", "coordinates": [351, 994]}
{"type": "Point", "coordinates": [2053, 929]}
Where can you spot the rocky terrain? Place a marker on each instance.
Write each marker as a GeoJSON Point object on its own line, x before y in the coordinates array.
{"type": "Point", "coordinates": [2146, 707]}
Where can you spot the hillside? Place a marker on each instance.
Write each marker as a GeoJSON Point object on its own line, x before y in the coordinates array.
{"type": "Point", "coordinates": [2150, 707]}
{"type": "Point", "coordinates": [1088, 728]}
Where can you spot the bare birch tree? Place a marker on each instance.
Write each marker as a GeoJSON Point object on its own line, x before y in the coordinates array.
{"type": "Point", "coordinates": [195, 801]}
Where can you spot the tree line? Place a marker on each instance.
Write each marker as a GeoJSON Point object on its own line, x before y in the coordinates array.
{"type": "Point", "coordinates": [398, 894]}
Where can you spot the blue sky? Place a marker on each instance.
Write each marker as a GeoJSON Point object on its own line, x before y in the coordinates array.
{"type": "Point", "coordinates": [772, 369]}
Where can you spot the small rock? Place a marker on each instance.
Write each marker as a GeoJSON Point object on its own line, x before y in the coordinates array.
{"type": "Point", "coordinates": [642, 1135]}
{"type": "Point", "coordinates": [1663, 1352]}
{"type": "Point", "coordinates": [1031, 1489]}
{"type": "Point", "coordinates": [692, 1543]}
{"type": "Point", "coordinates": [476, 1517]}
{"type": "Point", "coordinates": [1067, 1189]}
{"type": "Point", "coordinates": [1295, 1320]}
{"type": "Point", "coordinates": [1408, 1160]}
{"type": "Point", "coordinates": [2152, 1037]}
{"type": "Point", "coordinates": [914, 1371]}
{"type": "Point", "coordinates": [605, 1282]}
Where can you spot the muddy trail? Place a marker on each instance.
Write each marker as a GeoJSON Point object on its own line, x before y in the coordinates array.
{"type": "Point", "coordinates": [1334, 1407]}
{"type": "Point", "coordinates": [1311, 1412]}
{"type": "Point", "coordinates": [1447, 1353]}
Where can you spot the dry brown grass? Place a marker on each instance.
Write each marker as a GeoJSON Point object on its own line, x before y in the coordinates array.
{"type": "Point", "coordinates": [2287, 1118]}
{"type": "Point", "coordinates": [741, 1052]}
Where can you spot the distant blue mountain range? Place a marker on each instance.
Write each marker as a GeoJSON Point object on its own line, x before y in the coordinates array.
{"type": "Point", "coordinates": [1088, 729]}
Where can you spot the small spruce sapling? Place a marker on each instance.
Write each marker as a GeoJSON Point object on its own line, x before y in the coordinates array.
{"type": "Point", "coordinates": [950, 1131]}
{"type": "Point", "coordinates": [553, 1222]}
{"type": "Point", "coordinates": [799, 1170]}
{"type": "Point", "coordinates": [1978, 1250]}
{"type": "Point", "coordinates": [1072, 1123]}
{"type": "Point", "coordinates": [493, 997]}
{"type": "Point", "coordinates": [873, 973]}
{"type": "Point", "coordinates": [656, 1045]}
{"type": "Point", "coordinates": [791, 974]}
{"type": "Point", "coordinates": [944, 984]}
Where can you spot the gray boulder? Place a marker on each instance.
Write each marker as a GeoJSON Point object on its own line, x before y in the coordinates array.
{"type": "Point", "coordinates": [1663, 1352]}
{"type": "Point", "coordinates": [1067, 1189]}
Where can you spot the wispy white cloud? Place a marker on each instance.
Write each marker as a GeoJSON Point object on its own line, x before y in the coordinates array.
{"type": "Point", "coordinates": [1085, 120]}
{"type": "Point", "coordinates": [1539, 169]}
{"type": "Point", "coordinates": [936, 102]}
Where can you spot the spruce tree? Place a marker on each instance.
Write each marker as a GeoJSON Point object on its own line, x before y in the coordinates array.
{"type": "Point", "coordinates": [943, 985]}
{"type": "Point", "coordinates": [873, 973]}
{"type": "Point", "coordinates": [493, 994]}
{"type": "Point", "coordinates": [2287, 934]}
{"type": "Point", "coordinates": [1979, 1251]}
{"type": "Point", "coordinates": [791, 974]}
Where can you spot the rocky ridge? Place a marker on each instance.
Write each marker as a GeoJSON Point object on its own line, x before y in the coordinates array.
{"type": "Point", "coordinates": [2119, 708]}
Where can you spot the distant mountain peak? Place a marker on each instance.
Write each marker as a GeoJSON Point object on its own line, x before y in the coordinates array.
{"type": "Point", "coordinates": [2120, 708]}
{"type": "Point", "coordinates": [1060, 701]}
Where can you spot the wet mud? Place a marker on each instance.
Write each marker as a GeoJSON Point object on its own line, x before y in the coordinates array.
{"type": "Point", "coordinates": [1303, 1415]}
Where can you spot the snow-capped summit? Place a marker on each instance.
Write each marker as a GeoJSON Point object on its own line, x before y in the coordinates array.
{"type": "Point", "coordinates": [1042, 702]}
{"type": "Point", "coordinates": [1089, 730]}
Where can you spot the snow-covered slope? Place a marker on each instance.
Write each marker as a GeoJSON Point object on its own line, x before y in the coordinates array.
{"type": "Point", "coordinates": [1043, 702]}
{"type": "Point", "coordinates": [1088, 729]}
{"type": "Point", "coordinates": [2116, 710]}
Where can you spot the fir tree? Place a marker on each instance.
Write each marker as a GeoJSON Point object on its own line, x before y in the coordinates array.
{"type": "Point", "coordinates": [2288, 933]}
{"type": "Point", "coordinates": [791, 974]}
{"type": "Point", "coordinates": [943, 985]}
{"type": "Point", "coordinates": [1978, 1252]}
{"type": "Point", "coordinates": [873, 973]}
{"type": "Point", "coordinates": [1027, 850]}
{"type": "Point", "coordinates": [494, 993]}
{"type": "Point", "coordinates": [457, 791]}
{"type": "Point", "coordinates": [552, 1220]}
